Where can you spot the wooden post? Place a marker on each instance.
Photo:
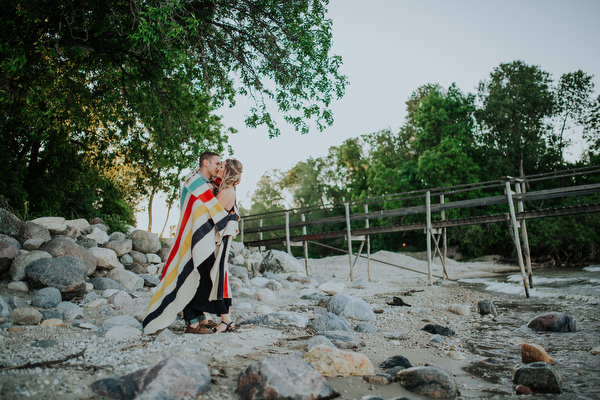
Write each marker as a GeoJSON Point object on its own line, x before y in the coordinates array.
{"type": "Point", "coordinates": [444, 238]}
{"type": "Point", "coordinates": [349, 235]}
{"type": "Point", "coordinates": [368, 245]}
{"type": "Point", "coordinates": [287, 233]}
{"type": "Point", "coordinates": [305, 244]}
{"type": "Point", "coordinates": [242, 230]}
{"type": "Point", "coordinates": [513, 219]}
{"type": "Point", "coordinates": [428, 236]}
{"type": "Point", "coordinates": [520, 188]}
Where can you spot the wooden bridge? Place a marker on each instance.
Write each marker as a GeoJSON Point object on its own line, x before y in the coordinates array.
{"type": "Point", "coordinates": [569, 185]}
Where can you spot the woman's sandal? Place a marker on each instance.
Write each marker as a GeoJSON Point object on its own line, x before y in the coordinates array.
{"type": "Point", "coordinates": [229, 327]}
{"type": "Point", "coordinates": [200, 330]}
{"type": "Point", "coordinates": [209, 324]}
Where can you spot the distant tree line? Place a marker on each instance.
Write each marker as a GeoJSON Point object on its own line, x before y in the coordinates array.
{"type": "Point", "coordinates": [518, 123]}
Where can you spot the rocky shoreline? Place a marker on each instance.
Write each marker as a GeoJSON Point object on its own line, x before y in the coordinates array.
{"type": "Point", "coordinates": [70, 328]}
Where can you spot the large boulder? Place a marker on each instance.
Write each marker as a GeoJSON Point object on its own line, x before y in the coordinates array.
{"type": "Point", "coordinates": [62, 246]}
{"type": "Point", "coordinates": [55, 225]}
{"type": "Point", "coordinates": [98, 235]}
{"type": "Point", "coordinates": [428, 381]}
{"type": "Point", "coordinates": [554, 322]}
{"type": "Point", "coordinates": [8, 253]}
{"type": "Point", "coordinates": [145, 242]}
{"type": "Point", "coordinates": [127, 279]}
{"type": "Point", "coordinates": [539, 377]}
{"type": "Point", "coordinates": [66, 273]}
{"type": "Point", "coordinates": [350, 307]}
{"type": "Point", "coordinates": [9, 224]}
{"type": "Point", "coordinates": [17, 269]}
{"type": "Point", "coordinates": [279, 261]}
{"type": "Point", "coordinates": [35, 231]}
{"type": "Point", "coordinates": [106, 258]}
{"type": "Point", "coordinates": [121, 247]}
{"type": "Point", "coordinates": [80, 224]}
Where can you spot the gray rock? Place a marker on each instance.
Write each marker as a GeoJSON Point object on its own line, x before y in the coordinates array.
{"type": "Point", "coordinates": [81, 225]}
{"type": "Point", "coordinates": [121, 320]}
{"type": "Point", "coordinates": [120, 247]}
{"type": "Point", "coordinates": [280, 319]}
{"type": "Point", "coordinates": [427, 381]}
{"type": "Point", "coordinates": [259, 281]}
{"type": "Point", "coordinates": [35, 231]}
{"type": "Point", "coordinates": [350, 307]}
{"type": "Point", "coordinates": [44, 343]}
{"type": "Point", "coordinates": [17, 270]}
{"type": "Point", "coordinates": [10, 225]}
{"type": "Point", "coordinates": [438, 330]}
{"type": "Point", "coordinates": [17, 302]}
{"type": "Point", "coordinates": [318, 340]}
{"type": "Point", "coordinates": [65, 273]}
{"type": "Point", "coordinates": [138, 257]}
{"type": "Point", "coordinates": [126, 260]}
{"type": "Point", "coordinates": [51, 314]}
{"type": "Point", "coordinates": [62, 246]}
{"type": "Point", "coordinates": [119, 299]}
{"type": "Point", "coordinates": [274, 285]}
{"type": "Point", "coordinates": [240, 272]}
{"type": "Point", "coordinates": [136, 308]}
{"type": "Point", "coordinates": [153, 258]}
{"type": "Point", "coordinates": [89, 297]}
{"type": "Point", "coordinates": [5, 308]}
{"type": "Point", "coordinates": [554, 322]}
{"type": "Point", "coordinates": [136, 268]}
{"type": "Point", "coordinates": [396, 361]}
{"type": "Point", "coordinates": [70, 311]}
{"type": "Point", "coordinates": [120, 332]}
{"type": "Point", "coordinates": [117, 237]}
{"type": "Point", "coordinates": [128, 279]}
{"type": "Point", "coordinates": [99, 235]}
{"type": "Point", "coordinates": [330, 322]}
{"type": "Point", "coordinates": [364, 327]}
{"type": "Point", "coordinates": [102, 283]}
{"type": "Point", "coordinates": [486, 307]}
{"type": "Point", "coordinates": [539, 377]}
{"type": "Point", "coordinates": [279, 261]}
{"type": "Point", "coordinates": [150, 280]}
{"type": "Point", "coordinates": [397, 336]}
{"type": "Point", "coordinates": [55, 225]}
{"type": "Point", "coordinates": [8, 253]}
{"type": "Point", "coordinates": [48, 297]}
{"type": "Point", "coordinates": [106, 258]}
{"type": "Point", "coordinates": [25, 316]}
{"type": "Point", "coordinates": [10, 240]}
{"type": "Point", "coordinates": [33, 244]}
{"type": "Point", "coordinates": [283, 377]}
{"type": "Point", "coordinates": [163, 253]}
{"type": "Point", "coordinates": [343, 339]}
{"type": "Point", "coordinates": [18, 286]}
{"type": "Point", "coordinates": [87, 243]}
{"type": "Point", "coordinates": [145, 242]}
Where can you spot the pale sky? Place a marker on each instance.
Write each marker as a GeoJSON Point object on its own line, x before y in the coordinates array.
{"type": "Point", "coordinates": [391, 47]}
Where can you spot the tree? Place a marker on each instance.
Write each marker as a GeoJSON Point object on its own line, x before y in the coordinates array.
{"type": "Point", "coordinates": [90, 84]}
{"type": "Point", "coordinates": [515, 104]}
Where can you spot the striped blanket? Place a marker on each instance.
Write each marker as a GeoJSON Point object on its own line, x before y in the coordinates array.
{"type": "Point", "coordinates": [204, 228]}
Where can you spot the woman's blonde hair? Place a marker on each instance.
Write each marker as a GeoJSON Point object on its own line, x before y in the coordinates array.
{"type": "Point", "coordinates": [232, 173]}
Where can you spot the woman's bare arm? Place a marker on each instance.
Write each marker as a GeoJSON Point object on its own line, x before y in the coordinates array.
{"type": "Point", "coordinates": [227, 198]}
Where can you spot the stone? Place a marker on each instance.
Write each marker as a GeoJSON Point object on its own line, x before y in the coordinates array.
{"type": "Point", "coordinates": [17, 302]}
{"type": "Point", "coordinates": [364, 327]}
{"type": "Point", "coordinates": [120, 332]}
{"type": "Point", "coordinates": [343, 339]}
{"type": "Point", "coordinates": [8, 253]}
{"type": "Point", "coordinates": [70, 311]}
{"type": "Point", "coordinates": [397, 335]}
{"type": "Point", "coordinates": [106, 258]}
{"type": "Point", "coordinates": [121, 320]}
{"type": "Point", "coordinates": [136, 268]}
{"type": "Point", "coordinates": [17, 270]}
{"type": "Point", "coordinates": [138, 257]}
{"type": "Point", "coordinates": [62, 246]}
{"type": "Point", "coordinates": [240, 272]}
{"type": "Point", "coordinates": [595, 350]}
{"type": "Point", "coordinates": [55, 225]}
{"type": "Point", "coordinates": [332, 287]}
{"type": "Point", "coordinates": [117, 237]}
{"type": "Point", "coordinates": [540, 377]}
{"type": "Point", "coordinates": [278, 261]}
{"type": "Point", "coordinates": [145, 242]}
{"type": "Point", "coordinates": [237, 260]}
{"type": "Point", "coordinates": [332, 362]}
{"type": "Point", "coordinates": [427, 381]}
{"type": "Point", "coordinates": [18, 286]}
{"type": "Point", "coordinates": [396, 361]}
{"type": "Point", "coordinates": [273, 285]}
{"type": "Point", "coordinates": [153, 258]}
{"type": "Point", "coordinates": [48, 297]}
{"type": "Point", "coordinates": [35, 231]}
{"type": "Point", "coordinates": [350, 307]}
{"type": "Point", "coordinates": [298, 278]}
{"type": "Point", "coordinates": [66, 273]}
{"type": "Point", "coordinates": [438, 330]}
{"type": "Point", "coordinates": [259, 281]}
{"type": "Point", "coordinates": [150, 280]}
{"type": "Point", "coordinates": [120, 247]}
{"type": "Point", "coordinates": [10, 225]}
{"type": "Point", "coordinates": [5, 308]}
{"type": "Point", "coordinates": [163, 253]}
{"type": "Point", "coordinates": [33, 244]}
{"type": "Point", "coordinates": [102, 283]}
{"type": "Point", "coordinates": [319, 340]}
{"type": "Point", "coordinates": [460, 309]}
{"type": "Point", "coordinates": [531, 352]}
{"type": "Point", "coordinates": [283, 377]}
{"type": "Point", "coordinates": [119, 299]}
{"type": "Point", "coordinates": [554, 322]}
{"type": "Point", "coordinates": [25, 316]}
{"type": "Point", "coordinates": [127, 279]}
{"type": "Point", "coordinates": [280, 319]}
{"type": "Point", "coordinates": [330, 322]}
{"type": "Point", "coordinates": [81, 225]}
{"type": "Point", "coordinates": [265, 295]}
{"type": "Point", "coordinates": [136, 308]}
{"type": "Point", "coordinates": [10, 240]}
{"type": "Point", "coordinates": [53, 322]}
{"type": "Point", "coordinates": [87, 243]}
{"type": "Point", "coordinates": [126, 260]}
{"type": "Point", "coordinates": [98, 235]}
{"type": "Point", "coordinates": [486, 307]}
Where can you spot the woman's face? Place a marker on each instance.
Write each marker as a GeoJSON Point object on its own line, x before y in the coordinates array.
{"type": "Point", "coordinates": [221, 170]}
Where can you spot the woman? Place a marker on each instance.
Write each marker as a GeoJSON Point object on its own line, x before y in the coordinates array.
{"type": "Point", "coordinates": [214, 292]}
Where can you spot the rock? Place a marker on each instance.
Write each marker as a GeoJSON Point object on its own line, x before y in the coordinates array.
{"type": "Point", "coordinates": [9, 223]}
{"type": "Point", "coordinates": [486, 307]}
{"type": "Point", "coordinates": [397, 336]}
{"type": "Point", "coordinates": [520, 389]}
{"type": "Point", "coordinates": [62, 246]}
{"type": "Point", "coordinates": [330, 322]}
{"type": "Point", "coordinates": [153, 258]}
{"type": "Point", "coordinates": [126, 260]}
{"type": "Point", "coordinates": [253, 267]}
{"type": "Point", "coordinates": [539, 377]}
{"type": "Point", "coordinates": [281, 319]}
{"type": "Point", "coordinates": [18, 286]}
{"type": "Point", "coordinates": [119, 299]}
{"type": "Point", "coordinates": [17, 270]}
{"type": "Point", "coordinates": [5, 308]}
{"type": "Point", "coordinates": [438, 330]}
{"type": "Point", "coordinates": [102, 283]}
{"type": "Point", "coordinates": [456, 355]}
{"type": "Point", "coordinates": [265, 295]}
{"type": "Point", "coordinates": [278, 261]}
{"type": "Point", "coordinates": [120, 247]}
{"type": "Point", "coordinates": [66, 273]}
{"type": "Point", "coordinates": [117, 237]}
{"type": "Point", "coordinates": [171, 379]}
{"type": "Point", "coordinates": [122, 333]}
{"type": "Point", "coordinates": [350, 307]}
{"type": "Point", "coordinates": [136, 268]}
{"type": "Point", "coordinates": [427, 381]}
{"type": "Point", "coordinates": [150, 280]}
{"type": "Point", "coordinates": [25, 316]}
{"type": "Point", "coordinates": [98, 235]}
{"type": "Point", "coordinates": [166, 335]}
{"type": "Point", "coordinates": [70, 311]}
{"type": "Point", "coordinates": [163, 253]}
{"type": "Point", "coordinates": [35, 231]}
{"type": "Point", "coordinates": [44, 343]}
{"type": "Point", "coordinates": [136, 308]}
{"type": "Point", "coordinates": [396, 361]}
{"type": "Point", "coordinates": [364, 327]}
{"type": "Point", "coordinates": [259, 282]}
{"type": "Point", "coordinates": [17, 302]}
{"type": "Point", "coordinates": [48, 297]}
{"type": "Point", "coordinates": [298, 278]}
{"type": "Point", "coordinates": [332, 287]}
{"type": "Point", "coordinates": [332, 362]}
{"type": "Point", "coordinates": [283, 377]}
{"type": "Point", "coordinates": [55, 225]}
{"type": "Point", "coordinates": [240, 272]}
{"type": "Point", "coordinates": [273, 285]}
{"type": "Point", "coordinates": [127, 279]}
{"type": "Point", "coordinates": [121, 320]}
{"type": "Point", "coordinates": [81, 225]}
{"type": "Point", "coordinates": [106, 258]}
{"type": "Point", "coordinates": [344, 340]}
{"type": "Point", "coordinates": [8, 253]}
{"type": "Point", "coordinates": [87, 243]}
{"type": "Point", "coordinates": [145, 242]}
{"type": "Point", "coordinates": [33, 244]}
{"type": "Point", "coordinates": [53, 322]}
{"type": "Point", "coordinates": [10, 240]}
{"type": "Point", "coordinates": [138, 257]}
{"type": "Point", "coordinates": [531, 352]}
{"type": "Point", "coordinates": [319, 340]}
{"type": "Point", "coordinates": [595, 350]}
{"type": "Point", "coordinates": [460, 309]}
{"type": "Point", "coordinates": [553, 321]}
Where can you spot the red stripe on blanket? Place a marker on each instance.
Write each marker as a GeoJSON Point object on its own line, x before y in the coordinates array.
{"type": "Point", "coordinates": [175, 249]}
{"type": "Point", "coordinates": [206, 196]}
{"type": "Point", "coordinates": [226, 286]}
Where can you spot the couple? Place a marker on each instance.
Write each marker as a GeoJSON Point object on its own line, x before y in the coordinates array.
{"type": "Point", "coordinates": [194, 278]}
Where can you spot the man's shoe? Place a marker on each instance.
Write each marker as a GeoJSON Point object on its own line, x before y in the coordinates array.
{"type": "Point", "coordinates": [200, 330]}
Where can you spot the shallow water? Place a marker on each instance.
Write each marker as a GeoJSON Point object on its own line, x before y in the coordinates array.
{"type": "Point", "coordinates": [575, 292]}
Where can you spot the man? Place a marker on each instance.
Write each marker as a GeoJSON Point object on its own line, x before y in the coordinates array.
{"type": "Point", "coordinates": [202, 223]}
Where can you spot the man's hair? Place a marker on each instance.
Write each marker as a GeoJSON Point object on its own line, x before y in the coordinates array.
{"type": "Point", "coordinates": [205, 156]}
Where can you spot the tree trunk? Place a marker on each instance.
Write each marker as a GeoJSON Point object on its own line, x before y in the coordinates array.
{"type": "Point", "coordinates": [166, 219]}
{"type": "Point", "coordinates": [150, 200]}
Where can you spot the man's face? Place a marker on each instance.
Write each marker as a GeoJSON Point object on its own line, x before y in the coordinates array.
{"type": "Point", "coordinates": [212, 165]}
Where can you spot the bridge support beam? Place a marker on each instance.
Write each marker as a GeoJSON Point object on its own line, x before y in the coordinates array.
{"type": "Point", "coordinates": [515, 235]}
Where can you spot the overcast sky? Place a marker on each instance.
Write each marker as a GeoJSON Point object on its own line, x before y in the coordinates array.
{"type": "Point", "coordinates": [391, 47]}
